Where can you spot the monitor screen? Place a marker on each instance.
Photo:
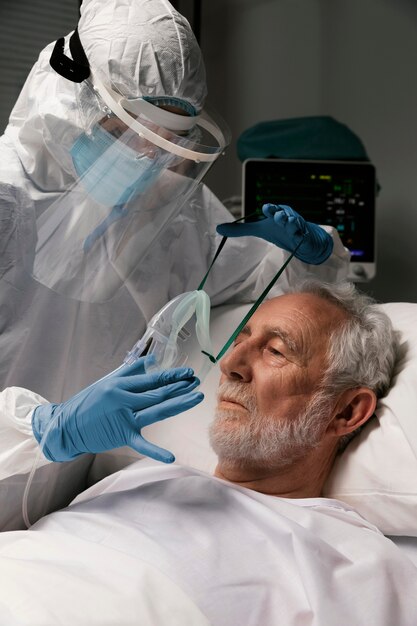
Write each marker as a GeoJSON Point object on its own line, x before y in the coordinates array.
{"type": "Point", "coordinates": [338, 193]}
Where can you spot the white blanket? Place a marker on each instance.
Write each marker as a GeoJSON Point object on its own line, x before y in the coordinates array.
{"type": "Point", "coordinates": [157, 545]}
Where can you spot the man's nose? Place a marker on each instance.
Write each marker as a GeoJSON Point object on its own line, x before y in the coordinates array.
{"type": "Point", "coordinates": [236, 365]}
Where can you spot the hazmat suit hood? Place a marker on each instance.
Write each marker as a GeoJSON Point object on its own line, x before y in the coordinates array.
{"type": "Point", "coordinates": [144, 47]}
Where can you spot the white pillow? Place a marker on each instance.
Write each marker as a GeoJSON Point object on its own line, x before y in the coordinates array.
{"type": "Point", "coordinates": [377, 474]}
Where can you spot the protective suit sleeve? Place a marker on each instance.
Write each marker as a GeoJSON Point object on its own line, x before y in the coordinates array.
{"type": "Point", "coordinates": [55, 484]}
{"type": "Point", "coordinates": [18, 445]}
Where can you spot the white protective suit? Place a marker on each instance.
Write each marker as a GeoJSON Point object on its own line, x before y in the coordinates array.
{"type": "Point", "coordinates": [162, 545]}
{"type": "Point", "coordinates": [52, 344]}
{"type": "Point", "coordinates": [55, 345]}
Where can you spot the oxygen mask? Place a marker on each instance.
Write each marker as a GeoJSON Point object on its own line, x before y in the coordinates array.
{"type": "Point", "coordinates": [179, 334]}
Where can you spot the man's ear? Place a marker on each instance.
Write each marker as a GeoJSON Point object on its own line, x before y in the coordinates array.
{"type": "Point", "coordinates": [353, 409]}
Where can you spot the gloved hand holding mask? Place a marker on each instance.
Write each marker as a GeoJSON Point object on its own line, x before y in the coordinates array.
{"type": "Point", "coordinates": [111, 412]}
{"type": "Point", "coordinates": [285, 228]}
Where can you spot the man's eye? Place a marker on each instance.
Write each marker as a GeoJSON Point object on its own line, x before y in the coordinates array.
{"type": "Point", "coordinates": [275, 352]}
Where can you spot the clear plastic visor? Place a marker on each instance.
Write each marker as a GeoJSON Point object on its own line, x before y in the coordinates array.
{"type": "Point", "coordinates": [131, 178]}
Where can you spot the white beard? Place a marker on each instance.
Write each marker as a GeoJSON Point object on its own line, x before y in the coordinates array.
{"type": "Point", "coordinates": [263, 440]}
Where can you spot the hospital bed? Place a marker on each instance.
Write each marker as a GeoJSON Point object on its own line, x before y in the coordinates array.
{"type": "Point", "coordinates": [376, 475]}
{"type": "Point", "coordinates": [377, 472]}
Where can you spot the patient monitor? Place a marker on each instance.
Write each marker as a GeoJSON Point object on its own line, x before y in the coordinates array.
{"type": "Point", "coordinates": [337, 193]}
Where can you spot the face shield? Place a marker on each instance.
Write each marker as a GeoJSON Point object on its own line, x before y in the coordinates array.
{"type": "Point", "coordinates": [136, 163]}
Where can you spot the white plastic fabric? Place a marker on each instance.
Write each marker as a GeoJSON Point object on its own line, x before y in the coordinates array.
{"type": "Point", "coordinates": [119, 176]}
{"type": "Point", "coordinates": [149, 47]}
{"type": "Point", "coordinates": [150, 51]}
{"type": "Point", "coordinates": [52, 344]}
{"type": "Point", "coordinates": [54, 485]}
{"type": "Point", "coordinates": [171, 545]}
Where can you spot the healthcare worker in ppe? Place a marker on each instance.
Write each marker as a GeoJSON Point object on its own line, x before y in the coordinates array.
{"type": "Point", "coordinates": [104, 217]}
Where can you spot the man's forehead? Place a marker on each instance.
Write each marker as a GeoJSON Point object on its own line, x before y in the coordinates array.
{"type": "Point", "coordinates": [295, 314]}
{"type": "Point", "coordinates": [316, 306]}
{"type": "Point", "coordinates": [281, 306]}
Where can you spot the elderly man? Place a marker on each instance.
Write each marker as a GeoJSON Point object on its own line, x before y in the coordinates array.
{"type": "Point", "coordinates": [256, 543]}
{"type": "Point", "coordinates": [297, 382]}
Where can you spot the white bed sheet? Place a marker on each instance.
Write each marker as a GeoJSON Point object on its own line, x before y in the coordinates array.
{"type": "Point", "coordinates": [152, 543]}
{"type": "Point", "coordinates": [56, 578]}
{"type": "Point", "coordinates": [408, 546]}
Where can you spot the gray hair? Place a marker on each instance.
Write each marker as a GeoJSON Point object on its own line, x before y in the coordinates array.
{"type": "Point", "coordinates": [362, 350]}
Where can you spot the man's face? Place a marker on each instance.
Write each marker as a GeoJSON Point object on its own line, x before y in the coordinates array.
{"type": "Point", "coordinates": [269, 411]}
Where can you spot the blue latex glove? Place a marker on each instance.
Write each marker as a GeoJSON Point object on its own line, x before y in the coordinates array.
{"type": "Point", "coordinates": [111, 412]}
{"type": "Point", "coordinates": [285, 228]}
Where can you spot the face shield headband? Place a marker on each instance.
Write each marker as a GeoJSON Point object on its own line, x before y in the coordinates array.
{"type": "Point", "coordinates": [132, 175]}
